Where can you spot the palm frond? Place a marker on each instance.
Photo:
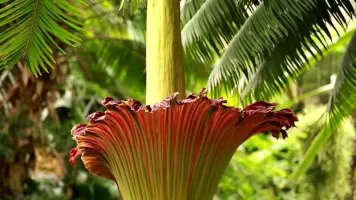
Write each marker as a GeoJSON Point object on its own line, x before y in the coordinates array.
{"type": "Point", "coordinates": [209, 29]}
{"type": "Point", "coordinates": [189, 8]}
{"type": "Point", "coordinates": [32, 29]}
{"type": "Point", "coordinates": [286, 64]}
{"type": "Point", "coordinates": [341, 104]}
{"type": "Point", "coordinates": [343, 97]}
{"type": "Point", "coordinates": [291, 26]}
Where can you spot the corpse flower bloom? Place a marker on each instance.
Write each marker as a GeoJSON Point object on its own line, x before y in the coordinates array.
{"type": "Point", "coordinates": [173, 150]}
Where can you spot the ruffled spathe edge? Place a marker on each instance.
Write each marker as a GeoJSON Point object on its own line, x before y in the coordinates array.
{"type": "Point", "coordinates": [276, 121]}
{"type": "Point", "coordinates": [135, 105]}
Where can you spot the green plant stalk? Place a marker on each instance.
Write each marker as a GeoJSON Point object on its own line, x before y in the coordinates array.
{"type": "Point", "coordinates": [164, 51]}
{"type": "Point", "coordinates": [314, 149]}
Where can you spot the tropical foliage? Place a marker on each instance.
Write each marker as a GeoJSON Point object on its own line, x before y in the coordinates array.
{"type": "Point", "coordinates": [244, 50]}
{"type": "Point", "coordinates": [267, 44]}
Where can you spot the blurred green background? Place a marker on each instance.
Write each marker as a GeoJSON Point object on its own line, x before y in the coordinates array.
{"type": "Point", "coordinates": [37, 114]}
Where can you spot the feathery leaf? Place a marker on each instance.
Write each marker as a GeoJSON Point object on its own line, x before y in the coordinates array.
{"type": "Point", "coordinates": [32, 30]}
{"type": "Point", "coordinates": [282, 25]}
{"type": "Point", "coordinates": [206, 31]}
{"type": "Point", "coordinates": [341, 103]}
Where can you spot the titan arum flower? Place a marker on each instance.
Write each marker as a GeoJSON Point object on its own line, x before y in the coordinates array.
{"type": "Point", "coordinates": [173, 150]}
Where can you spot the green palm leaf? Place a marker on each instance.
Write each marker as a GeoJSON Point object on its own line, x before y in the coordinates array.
{"type": "Point", "coordinates": [270, 49]}
{"type": "Point", "coordinates": [281, 25]}
{"type": "Point", "coordinates": [343, 97]}
{"type": "Point", "coordinates": [206, 31]}
{"type": "Point", "coordinates": [341, 103]}
{"type": "Point", "coordinates": [287, 64]}
{"type": "Point", "coordinates": [189, 9]}
{"type": "Point", "coordinates": [31, 30]}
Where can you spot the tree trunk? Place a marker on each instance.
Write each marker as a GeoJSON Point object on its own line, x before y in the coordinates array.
{"type": "Point", "coordinates": [164, 51]}
{"type": "Point", "coordinates": [22, 126]}
{"type": "Point", "coordinates": [15, 173]}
